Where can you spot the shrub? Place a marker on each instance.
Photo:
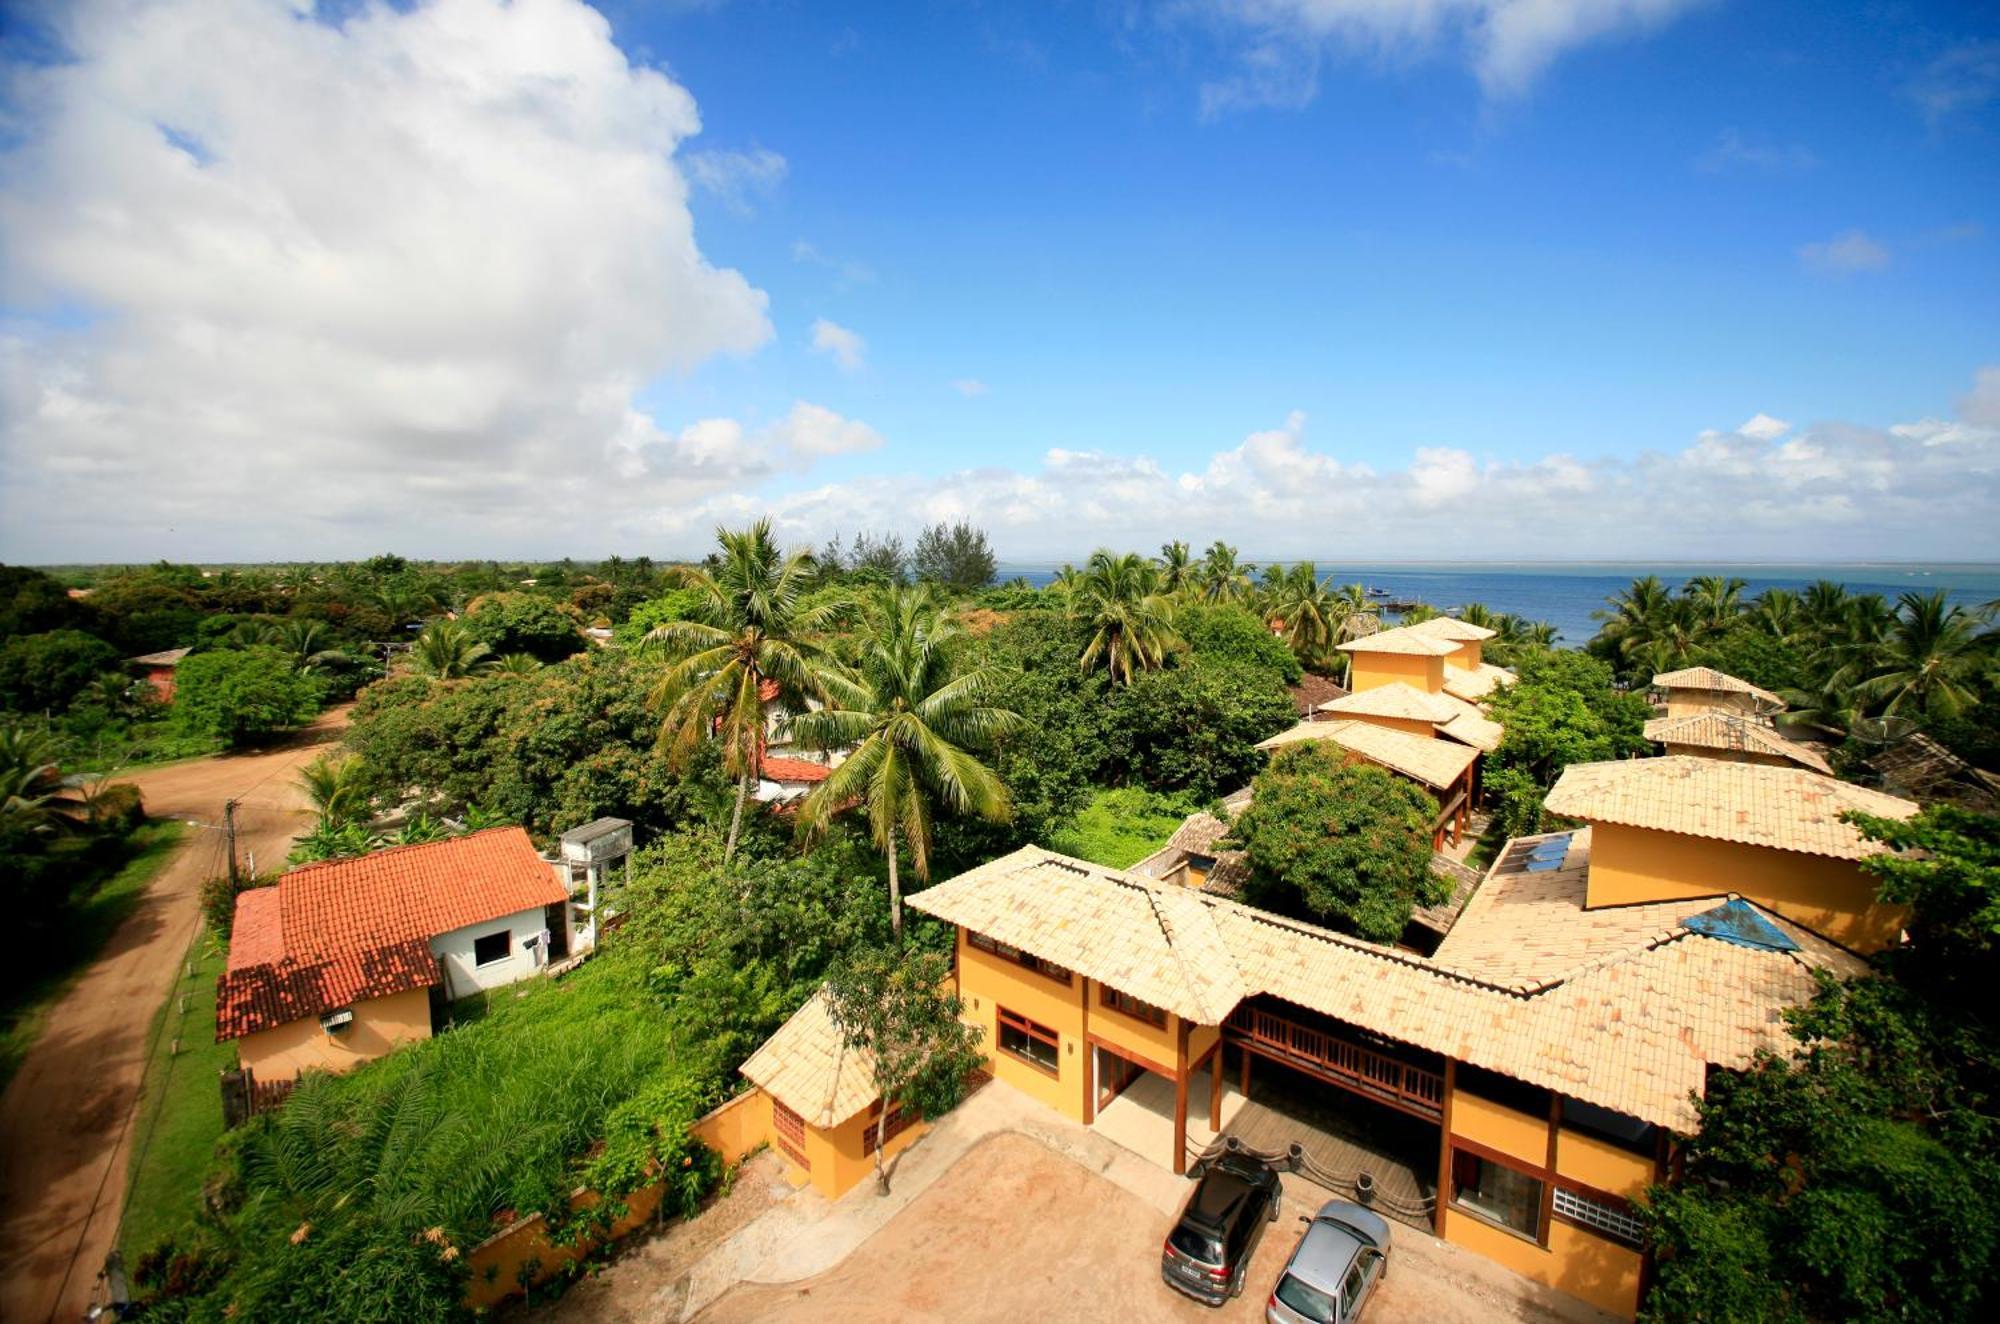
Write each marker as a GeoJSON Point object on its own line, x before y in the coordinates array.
{"type": "Point", "coordinates": [218, 899]}
{"type": "Point", "coordinates": [41, 672]}
{"type": "Point", "coordinates": [116, 808]}
{"type": "Point", "coordinates": [242, 695]}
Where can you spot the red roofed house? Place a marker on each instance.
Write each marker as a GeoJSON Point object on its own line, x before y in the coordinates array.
{"type": "Point", "coordinates": [343, 961]}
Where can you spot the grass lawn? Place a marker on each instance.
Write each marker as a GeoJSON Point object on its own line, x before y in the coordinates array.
{"type": "Point", "coordinates": [80, 937]}
{"type": "Point", "coordinates": [180, 1105]}
{"type": "Point", "coordinates": [1120, 827]}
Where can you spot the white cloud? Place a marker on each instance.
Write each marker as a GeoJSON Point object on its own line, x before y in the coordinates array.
{"type": "Point", "coordinates": [341, 282]}
{"type": "Point", "coordinates": [1762, 427]}
{"type": "Point", "coordinates": [1763, 490]}
{"type": "Point", "coordinates": [1848, 252]}
{"type": "Point", "coordinates": [1981, 407]}
{"type": "Point", "coordinates": [843, 346]}
{"type": "Point", "coordinates": [813, 431]}
{"type": "Point", "coordinates": [738, 178]}
{"type": "Point", "coordinates": [970, 387]}
{"type": "Point", "coordinates": [711, 454]}
{"type": "Point", "coordinates": [1507, 43]}
{"type": "Point", "coordinates": [1733, 151]}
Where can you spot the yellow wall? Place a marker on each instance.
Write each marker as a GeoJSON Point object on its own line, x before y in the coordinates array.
{"type": "Point", "coordinates": [1731, 755]}
{"type": "Point", "coordinates": [738, 1128]}
{"type": "Point", "coordinates": [1603, 1165]}
{"type": "Point", "coordinates": [1155, 1044]}
{"type": "Point", "coordinates": [380, 1026]}
{"type": "Point", "coordinates": [985, 982]}
{"type": "Point", "coordinates": [1576, 1261]}
{"type": "Point", "coordinates": [1831, 897]}
{"type": "Point", "coordinates": [1468, 656]}
{"type": "Point", "coordinates": [1372, 669]}
{"type": "Point", "coordinates": [1685, 703]}
{"type": "Point", "coordinates": [1496, 1126]}
{"type": "Point", "coordinates": [838, 1161]}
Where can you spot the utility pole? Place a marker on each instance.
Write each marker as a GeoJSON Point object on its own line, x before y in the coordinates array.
{"type": "Point", "coordinates": [229, 838]}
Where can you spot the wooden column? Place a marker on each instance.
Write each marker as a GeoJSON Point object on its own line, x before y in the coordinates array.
{"type": "Point", "coordinates": [1215, 1088]}
{"type": "Point", "coordinates": [1180, 1097]}
{"type": "Point", "coordinates": [1243, 1084]}
{"type": "Point", "coordinates": [1444, 1146]}
{"type": "Point", "coordinates": [1089, 1073]}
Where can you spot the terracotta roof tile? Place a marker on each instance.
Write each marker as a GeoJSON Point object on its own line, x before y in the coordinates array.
{"type": "Point", "coordinates": [1312, 691]}
{"type": "Point", "coordinates": [1403, 639]}
{"type": "Point", "coordinates": [808, 1067]}
{"type": "Point", "coordinates": [1477, 683]}
{"type": "Point", "coordinates": [1436, 763]}
{"type": "Point", "coordinates": [349, 929]}
{"type": "Point", "coordinates": [1708, 678]}
{"type": "Point", "coordinates": [1450, 627]}
{"type": "Point", "coordinates": [1735, 732]}
{"type": "Point", "coordinates": [777, 768]}
{"type": "Point", "coordinates": [1399, 699]}
{"type": "Point", "coordinates": [1784, 808]}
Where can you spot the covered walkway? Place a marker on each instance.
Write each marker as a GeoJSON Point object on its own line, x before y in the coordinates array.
{"type": "Point", "coordinates": [1141, 1118]}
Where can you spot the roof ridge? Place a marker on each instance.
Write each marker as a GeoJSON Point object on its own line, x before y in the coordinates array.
{"type": "Point", "coordinates": [311, 866]}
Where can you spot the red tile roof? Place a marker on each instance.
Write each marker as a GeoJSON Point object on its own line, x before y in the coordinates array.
{"type": "Point", "coordinates": [777, 768]}
{"type": "Point", "coordinates": [331, 934]}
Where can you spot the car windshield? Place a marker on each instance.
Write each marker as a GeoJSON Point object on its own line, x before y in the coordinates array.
{"type": "Point", "coordinates": [1302, 1297]}
{"type": "Point", "coordinates": [1195, 1245]}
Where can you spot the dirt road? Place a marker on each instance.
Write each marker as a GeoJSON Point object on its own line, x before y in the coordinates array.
{"type": "Point", "coordinates": [66, 1117]}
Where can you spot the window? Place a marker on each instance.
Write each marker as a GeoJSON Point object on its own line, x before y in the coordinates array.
{"type": "Point", "coordinates": [1131, 1006]}
{"type": "Point", "coordinates": [1601, 1214]}
{"type": "Point", "coordinates": [790, 1129]}
{"type": "Point", "coordinates": [1034, 1044]}
{"type": "Point", "coordinates": [1024, 959]}
{"type": "Point", "coordinates": [1497, 1193]}
{"type": "Point", "coordinates": [492, 947]}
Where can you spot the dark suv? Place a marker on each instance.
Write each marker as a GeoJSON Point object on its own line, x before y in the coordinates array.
{"type": "Point", "coordinates": [1209, 1249]}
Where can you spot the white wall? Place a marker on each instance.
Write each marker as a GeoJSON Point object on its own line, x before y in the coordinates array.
{"type": "Point", "coordinates": [454, 952]}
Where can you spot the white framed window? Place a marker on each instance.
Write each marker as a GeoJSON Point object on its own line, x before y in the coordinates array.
{"type": "Point", "coordinates": [1612, 1220]}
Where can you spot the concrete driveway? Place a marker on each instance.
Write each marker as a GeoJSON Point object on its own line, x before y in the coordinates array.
{"type": "Point", "coordinates": [1015, 1231]}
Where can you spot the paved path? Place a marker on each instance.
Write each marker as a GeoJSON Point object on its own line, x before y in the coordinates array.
{"type": "Point", "coordinates": [65, 1121]}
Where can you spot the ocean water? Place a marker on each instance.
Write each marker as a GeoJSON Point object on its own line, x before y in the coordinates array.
{"type": "Point", "coordinates": [1565, 595]}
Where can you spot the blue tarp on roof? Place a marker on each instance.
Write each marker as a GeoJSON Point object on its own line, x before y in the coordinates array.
{"type": "Point", "coordinates": [1737, 921]}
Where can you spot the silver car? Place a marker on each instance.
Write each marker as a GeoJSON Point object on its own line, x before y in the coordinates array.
{"type": "Point", "coordinates": [1334, 1269]}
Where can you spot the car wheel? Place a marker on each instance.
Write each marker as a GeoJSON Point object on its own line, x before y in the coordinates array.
{"type": "Point", "coordinates": [1236, 1284]}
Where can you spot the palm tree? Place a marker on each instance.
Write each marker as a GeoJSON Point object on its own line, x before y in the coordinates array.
{"type": "Point", "coordinates": [1931, 660]}
{"type": "Point", "coordinates": [750, 643]}
{"type": "Point", "coordinates": [336, 790]}
{"type": "Point", "coordinates": [518, 664]}
{"type": "Point", "coordinates": [31, 798]}
{"type": "Point", "coordinates": [1119, 598]}
{"type": "Point", "coordinates": [1717, 600]}
{"type": "Point", "coordinates": [1479, 614]}
{"type": "Point", "coordinates": [1220, 576]}
{"type": "Point", "coordinates": [1310, 611]}
{"type": "Point", "coordinates": [916, 721]}
{"type": "Point", "coordinates": [1177, 572]}
{"type": "Point", "coordinates": [1632, 611]}
{"type": "Point", "coordinates": [1777, 612]}
{"type": "Point", "coordinates": [447, 651]}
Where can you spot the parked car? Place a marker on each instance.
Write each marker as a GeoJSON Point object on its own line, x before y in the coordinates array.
{"type": "Point", "coordinates": [1334, 1269]}
{"type": "Point", "coordinates": [1209, 1249]}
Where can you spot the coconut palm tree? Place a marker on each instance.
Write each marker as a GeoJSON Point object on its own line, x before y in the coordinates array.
{"type": "Point", "coordinates": [447, 651]}
{"type": "Point", "coordinates": [750, 643]}
{"type": "Point", "coordinates": [31, 791]}
{"type": "Point", "coordinates": [336, 790]}
{"type": "Point", "coordinates": [518, 664]}
{"type": "Point", "coordinates": [1778, 613]}
{"type": "Point", "coordinates": [917, 721]}
{"type": "Point", "coordinates": [1118, 597]}
{"type": "Point", "coordinates": [1630, 613]}
{"type": "Point", "coordinates": [1931, 660]}
{"type": "Point", "coordinates": [1717, 600]}
{"type": "Point", "coordinates": [1308, 611]}
{"type": "Point", "coordinates": [1177, 570]}
{"type": "Point", "coordinates": [1220, 577]}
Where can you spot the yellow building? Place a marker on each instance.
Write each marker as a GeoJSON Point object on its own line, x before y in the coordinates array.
{"type": "Point", "coordinates": [1677, 827]}
{"type": "Point", "coordinates": [1733, 737]}
{"type": "Point", "coordinates": [1704, 689]}
{"type": "Point", "coordinates": [1532, 1072]}
{"type": "Point", "coordinates": [816, 1104]}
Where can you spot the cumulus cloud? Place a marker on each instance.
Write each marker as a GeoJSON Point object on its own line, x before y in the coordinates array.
{"type": "Point", "coordinates": [739, 179]}
{"type": "Point", "coordinates": [845, 347]}
{"type": "Point", "coordinates": [328, 282]}
{"type": "Point", "coordinates": [1963, 79]}
{"type": "Point", "coordinates": [1844, 254]}
{"type": "Point", "coordinates": [1507, 43]}
{"type": "Point", "coordinates": [712, 454]}
{"type": "Point", "coordinates": [1762, 490]}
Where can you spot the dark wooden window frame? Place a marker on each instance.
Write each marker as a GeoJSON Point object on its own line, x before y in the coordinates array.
{"type": "Point", "coordinates": [1010, 1020]}
{"type": "Point", "coordinates": [1126, 1005]}
{"type": "Point", "coordinates": [901, 1119]}
{"type": "Point", "coordinates": [1026, 960]}
{"type": "Point", "coordinates": [1473, 1149]}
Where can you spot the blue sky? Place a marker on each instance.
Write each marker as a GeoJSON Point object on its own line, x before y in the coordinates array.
{"type": "Point", "coordinates": [1079, 256]}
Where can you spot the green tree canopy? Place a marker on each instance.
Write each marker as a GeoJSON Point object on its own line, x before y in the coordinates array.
{"type": "Point", "coordinates": [44, 672]}
{"type": "Point", "coordinates": [954, 557]}
{"type": "Point", "coordinates": [523, 623]}
{"type": "Point", "coordinates": [241, 695]}
{"type": "Point", "coordinates": [1561, 710]}
{"type": "Point", "coordinates": [1340, 842]}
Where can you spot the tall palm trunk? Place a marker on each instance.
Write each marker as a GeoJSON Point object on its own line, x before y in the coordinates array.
{"type": "Point", "coordinates": [736, 819]}
{"type": "Point", "coordinates": [895, 896]}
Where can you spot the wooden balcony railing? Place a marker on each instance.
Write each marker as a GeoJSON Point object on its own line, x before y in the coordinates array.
{"type": "Point", "coordinates": [1341, 1061]}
